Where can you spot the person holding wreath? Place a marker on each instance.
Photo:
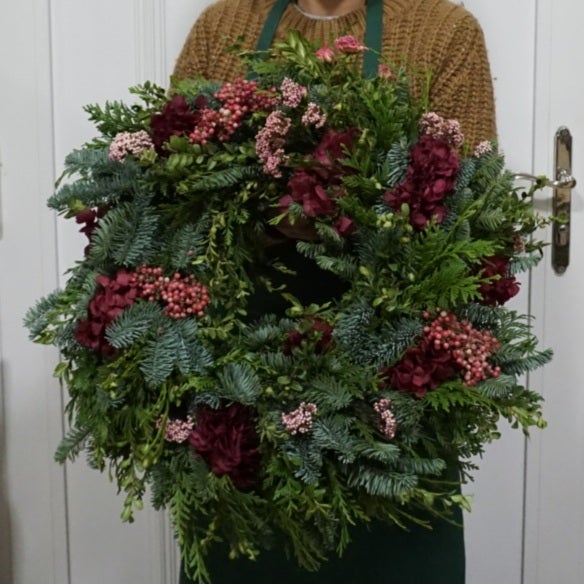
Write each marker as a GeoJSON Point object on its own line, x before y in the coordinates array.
{"type": "Point", "coordinates": [442, 45]}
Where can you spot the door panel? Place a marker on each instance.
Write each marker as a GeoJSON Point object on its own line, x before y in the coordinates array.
{"type": "Point", "coordinates": [554, 508]}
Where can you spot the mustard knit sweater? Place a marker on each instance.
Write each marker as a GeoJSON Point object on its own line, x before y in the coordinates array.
{"type": "Point", "coordinates": [429, 35]}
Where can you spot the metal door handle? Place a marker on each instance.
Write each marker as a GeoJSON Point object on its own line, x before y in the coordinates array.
{"type": "Point", "coordinates": [562, 185]}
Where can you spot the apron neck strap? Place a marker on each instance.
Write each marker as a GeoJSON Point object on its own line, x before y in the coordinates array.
{"type": "Point", "coordinates": [373, 32]}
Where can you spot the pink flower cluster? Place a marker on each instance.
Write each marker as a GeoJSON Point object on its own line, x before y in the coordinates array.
{"type": "Point", "coordinates": [299, 421]}
{"type": "Point", "coordinates": [349, 44]}
{"type": "Point", "coordinates": [387, 422]}
{"type": "Point", "coordinates": [325, 54]}
{"type": "Point", "coordinates": [177, 430]}
{"type": "Point", "coordinates": [183, 295]}
{"type": "Point", "coordinates": [129, 143]}
{"type": "Point", "coordinates": [434, 125]}
{"type": "Point", "coordinates": [469, 347]}
{"type": "Point", "coordinates": [292, 93]}
{"type": "Point", "coordinates": [483, 148]}
{"type": "Point", "coordinates": [314, 116]}
{"type": "Point", "coordinates": [384, 72]}
{"type": "Point", "coordinates": [270, 141]}
{"type": "Point", "coordinates": [237, 100]}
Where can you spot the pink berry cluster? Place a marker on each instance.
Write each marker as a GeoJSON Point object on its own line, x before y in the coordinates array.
{"type": "Point", "coordinates": [436, 126]}
{"type": "Point", "coordinates": [469, 348]}
{"type": "Point", "coordinates": [238, 100]}
{"type": "Point", "coordinates": [299, 421]}
{"type": "Point", "coordinates": [183, 295]}
{"type": "Point", "coordinates": [129, 143]}
{"type": "Point", "coordinates": [177, 430]}
{"type": "Point", "coordinates": [387, 422]}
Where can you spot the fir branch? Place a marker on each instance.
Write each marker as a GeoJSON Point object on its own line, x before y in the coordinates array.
{"type": "Point", "coordinates": [127, 235]}
{"type": "Point", "coordinates": [134, 324]}
{"type": "Point", "coordinates": [72, 444]}
{"type": "Point", "coordinates": [391, 485]}
{"type": "Point", "coordinates": [239, 383]}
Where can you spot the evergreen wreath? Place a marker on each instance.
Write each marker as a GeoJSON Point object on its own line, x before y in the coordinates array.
{"type": "Point", "coordinates": [297, 425]}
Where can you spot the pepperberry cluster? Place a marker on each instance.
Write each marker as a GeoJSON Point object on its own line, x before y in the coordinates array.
{"type": "Point", "coordinates": [470, 348]}
{"type": "Point", "coordinates": [237, 101]}
{"type": "Point", "coordinates": [183, 295]}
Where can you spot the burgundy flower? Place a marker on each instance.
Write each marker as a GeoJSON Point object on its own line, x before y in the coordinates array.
{"type": "Point", "coordinates": [176, 119]}
{"type": "Point", "coordinates": [344, 226]}
{"type": "Point", "coordinates": [420, 370]}
{"type": "Point", "coordinates": [227, 440]}
{"type": "Point", "coordinates": [90, 218]}
{"type": "Point", "coordinates": [307, 188]}
{"type": "Point", "coordinates": [319, 330]}
{"type": "Point", "coordinates": [430, 177]}
{"type": "Point", "coordinates": [497, 291]}
{"type": "Point", "coordinates": [334, 146]}
{"type": "Point", "coordinates": [109, 302]}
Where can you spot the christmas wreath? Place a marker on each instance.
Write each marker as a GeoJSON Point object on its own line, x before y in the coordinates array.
{"type": "Point", "coordinates": [249, 425]}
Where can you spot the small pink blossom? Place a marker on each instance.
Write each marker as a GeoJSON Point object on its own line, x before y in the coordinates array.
{"type": "Point", "coordinates": [292, 93]}
{"type": "Point", "coordinates": [325, 54]}
{"type": "Point", "coordinates": [436, 126]}
{"type": "Point", "coordinates": [387, 423]}
{"type": "Point", "coordinates": [299, 421]}
{"type": "Point", "coordinates": [270, 142]}
{"type": "Point", "coordinates": [129, 143]}
{"type": "Point", "coordinates": [177, 430]}
{"type": "Point", "coordinates": [384, 72]}
{"type": "Point", "coordinates": [349, 44]}
{"type": "Point", "coordinates": [483, 147]}
{"type": "Point", "coordinates": [314, 116]}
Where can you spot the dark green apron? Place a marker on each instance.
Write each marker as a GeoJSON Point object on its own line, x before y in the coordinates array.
{"type": "Point", "coordinates": [378, 553]}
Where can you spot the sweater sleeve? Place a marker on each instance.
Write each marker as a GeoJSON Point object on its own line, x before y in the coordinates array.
{"type": "Point", "coordinates": [462, 86]}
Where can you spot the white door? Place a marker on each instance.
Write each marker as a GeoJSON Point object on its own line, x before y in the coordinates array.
{"type": "Point", "coordinates": [555, 479]}
{"type": "Point", "coordinates": [536, 51]}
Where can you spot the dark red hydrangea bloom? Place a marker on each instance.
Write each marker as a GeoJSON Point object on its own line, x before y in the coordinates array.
{"type": "Point", "coordinates": [110, 301]}
{"type": "Point", "coordinates": [334, 146]}
{"type": "Point", "coordinates": [497, 292]}
{"type": "Point", "coordinates": [430, 177]}
{"type": "Point", "coordinates": [308, 188]}
{"type": "Point", "coordinates": [316, 188]}
{"type": "Point", "coordinates": [175, 119]}
{"type": "Point", "coordinates": [420, 370]}
{"type": "Point", "coordinates": [227, 440]}
{"type": "Point", "coordinates": [318, 329]}
{"type": "Point", "coordinates": [90, 217]}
